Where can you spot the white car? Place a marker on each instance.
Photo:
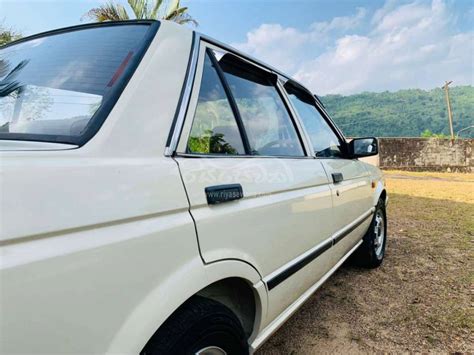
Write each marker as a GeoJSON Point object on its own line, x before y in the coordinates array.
{"type": "Point", "coordinates": [164, 193]}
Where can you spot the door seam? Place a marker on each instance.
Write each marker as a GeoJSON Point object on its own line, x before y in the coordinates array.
{"type": "Point", "coordinates": [189, 210]}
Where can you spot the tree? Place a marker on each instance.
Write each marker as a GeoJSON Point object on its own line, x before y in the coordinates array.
{"type": "Point", "coordinates": [7, 35]}
{"type": "Point", "coordinates": [405, 113]}
{"type": "Point", "coordinates": [142, 9]}
{"type": "Point", "coordinates": [428, 134]}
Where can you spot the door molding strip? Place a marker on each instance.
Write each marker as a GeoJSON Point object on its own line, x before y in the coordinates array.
{"type": "Point", "coordinates": [288, 312]}
{"type": "Point", "coordinates": [293, 266]}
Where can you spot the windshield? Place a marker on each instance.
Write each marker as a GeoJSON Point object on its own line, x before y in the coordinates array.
{"type": "Point", "coordinates": [51, 86]}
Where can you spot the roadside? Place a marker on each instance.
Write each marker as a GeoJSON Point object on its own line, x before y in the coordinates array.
{"type": "Point", "coordinates": [428, 175]}
{"type": "Point", "coordinates": [419, 300]}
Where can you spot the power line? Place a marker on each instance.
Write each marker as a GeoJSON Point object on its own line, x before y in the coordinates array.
{"type": "Point", "coordinates": [464, 129]}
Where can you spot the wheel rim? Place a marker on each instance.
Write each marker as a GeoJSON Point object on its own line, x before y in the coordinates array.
{"type": "Point", "coordinates": [211, 350]}
{"type": "Point", "coordinates": [379, 232]}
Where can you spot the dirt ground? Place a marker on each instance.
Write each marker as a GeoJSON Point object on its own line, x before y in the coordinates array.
{"type": "Point", "coordinates": [419, 300]}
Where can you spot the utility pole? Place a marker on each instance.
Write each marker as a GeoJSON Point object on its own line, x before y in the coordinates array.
{"type": "Point", "coordinates": [448, 103]}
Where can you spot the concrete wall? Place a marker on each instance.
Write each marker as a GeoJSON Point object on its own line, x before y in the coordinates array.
{"type": "Point", "coordinates": [422, 154]}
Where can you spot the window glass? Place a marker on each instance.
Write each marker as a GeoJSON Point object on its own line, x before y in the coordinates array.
{"type": "Point", "coordinates": [53, 85]}
{"type": "Point", "coordinates": [325, 142]}
{"type": "Point", "coordinates": [265, 118]}
{"type": "Point", "coordinates": [214, 128]}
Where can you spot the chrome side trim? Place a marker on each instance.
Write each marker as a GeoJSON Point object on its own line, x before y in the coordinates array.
{"type": "Point", "coordinates": [287, 313]}
{"type": "Point", "coordinates": [178, 123]}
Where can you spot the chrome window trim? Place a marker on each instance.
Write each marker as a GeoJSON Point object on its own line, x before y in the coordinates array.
{"type": "Point", "coordinates": [240, 156]}
{"type": "Point", "coordinates": [185, 97]}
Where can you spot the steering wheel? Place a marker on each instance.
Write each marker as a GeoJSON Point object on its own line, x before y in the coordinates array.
{"type": "Point", "coordinates": [271, 144]}
{"type": "Point", "coordinates": [279, 143]}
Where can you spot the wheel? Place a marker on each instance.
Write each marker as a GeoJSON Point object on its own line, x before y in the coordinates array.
{"type": "Point", "coordinates": [371, 252]}
{"type": "Point", "coordinates": [200, 326]}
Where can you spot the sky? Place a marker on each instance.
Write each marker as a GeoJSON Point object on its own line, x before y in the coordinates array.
{"type": "Point", "coordinates": [332, 46]}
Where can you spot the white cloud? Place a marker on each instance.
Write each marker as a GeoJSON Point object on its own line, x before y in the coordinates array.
{"type": "Point", "coordinates": [274, 43]}
{"type": "Point", "coordinates": [413, 45]}
{"type": "Point", "coordinates": [386, 8]}
{"type": "Point", "coordinates": [343, 23]}
{"type": "Point", "coordinates": [279, 45]}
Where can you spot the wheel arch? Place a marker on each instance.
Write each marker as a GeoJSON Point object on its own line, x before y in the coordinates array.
{"type": "Point", "coordinates": [380, 193]}
{"type": "Point", "coordinates": [237, 295]}
{"type": "Point", "coordinates": [220, 281]}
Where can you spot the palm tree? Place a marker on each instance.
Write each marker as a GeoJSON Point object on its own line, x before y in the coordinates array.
{"type": "Point", "coordinates": [142, 9]}
{"type": "Point", "coordinates": [7, 35]}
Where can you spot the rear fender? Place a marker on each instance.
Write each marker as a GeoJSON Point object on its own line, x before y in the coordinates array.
{"type": "Point", "coordinates": [162, 301]}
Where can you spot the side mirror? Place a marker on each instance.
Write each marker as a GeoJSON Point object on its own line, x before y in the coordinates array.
{"type": "Point", "coordinates": [363, 147]}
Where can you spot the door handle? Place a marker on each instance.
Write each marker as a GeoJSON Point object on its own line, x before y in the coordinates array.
{"type": "Point", "coordinates": [337, 177]}
{"type": "Point", "coordinates": [223, 193]}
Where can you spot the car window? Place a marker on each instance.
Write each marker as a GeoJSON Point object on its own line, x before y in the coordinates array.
{"type": "Point", "coordinates": [265, 118]}
{"type": "Point", "coordinates": [323, 139]}
{"type": "Point", "coordinates": [52, 86]}
{"type": "Point", "coordinates": [214, 129]}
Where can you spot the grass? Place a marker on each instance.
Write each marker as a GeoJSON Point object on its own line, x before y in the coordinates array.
{"type": "Point", "coordinates": [440, 186]}
{"type": "Point", "coordinates": [420, 299]}
{"type": "Point", "coordinates": [435, 212]}
{"type": "Point", "coordinates": [431, 175]}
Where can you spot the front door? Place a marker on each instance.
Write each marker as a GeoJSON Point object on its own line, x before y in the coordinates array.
{"type": "Point", "coordinates": [349, 179]}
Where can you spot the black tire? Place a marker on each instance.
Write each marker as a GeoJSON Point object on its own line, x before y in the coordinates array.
{"type": "Point", "coordinates": [197, 324]}
{"type": "Point", "coordinates": [368, 254]}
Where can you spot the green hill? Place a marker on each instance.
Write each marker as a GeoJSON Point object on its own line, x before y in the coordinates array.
{"type": "Point", "coordinates": [405, 113]}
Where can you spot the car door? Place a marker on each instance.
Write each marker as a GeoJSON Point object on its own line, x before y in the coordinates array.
{"type": "Point", "coordinates": [350, 181]}
{"type": "Point", "coordinates": [254, 192]}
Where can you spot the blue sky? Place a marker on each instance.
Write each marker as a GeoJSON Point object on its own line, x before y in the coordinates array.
{"type": "Point", "coordinates": [344, 46]}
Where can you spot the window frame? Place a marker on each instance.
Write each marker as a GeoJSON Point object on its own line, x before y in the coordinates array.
{"type": "Point", "coordinates": [205, 46]}
{"type": "Point", "coordinates": [208, 53]}
{"type": "Point", "coordinates": [322, 111]}
{"type": "Point", "coordinates": [99, 117]}
{"type": "Point", "coordinates": [233, 105]}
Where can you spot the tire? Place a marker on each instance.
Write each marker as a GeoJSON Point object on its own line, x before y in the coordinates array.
{"type": "Point", "coordinates": [371, 252]}
{"type": "Point", "coordinates": [199, 324]}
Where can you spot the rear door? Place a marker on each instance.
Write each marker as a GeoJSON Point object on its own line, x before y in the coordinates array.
{"type": "Point", "coordinates": [349, 180]}
{"type": "Point", "coordinates": [255, 194]}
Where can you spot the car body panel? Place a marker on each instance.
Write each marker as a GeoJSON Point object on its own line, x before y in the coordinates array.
{"type": "Point", "coordinates": [75, 298]}
{"type": "Point", "coordinates": [351, 196]}
{"type": "Point", "coordinates": [83, 230]}
{"type": "Point", "coordinates": [296, 206]}
{"type": "Point", "coordinates": [100, 244]}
